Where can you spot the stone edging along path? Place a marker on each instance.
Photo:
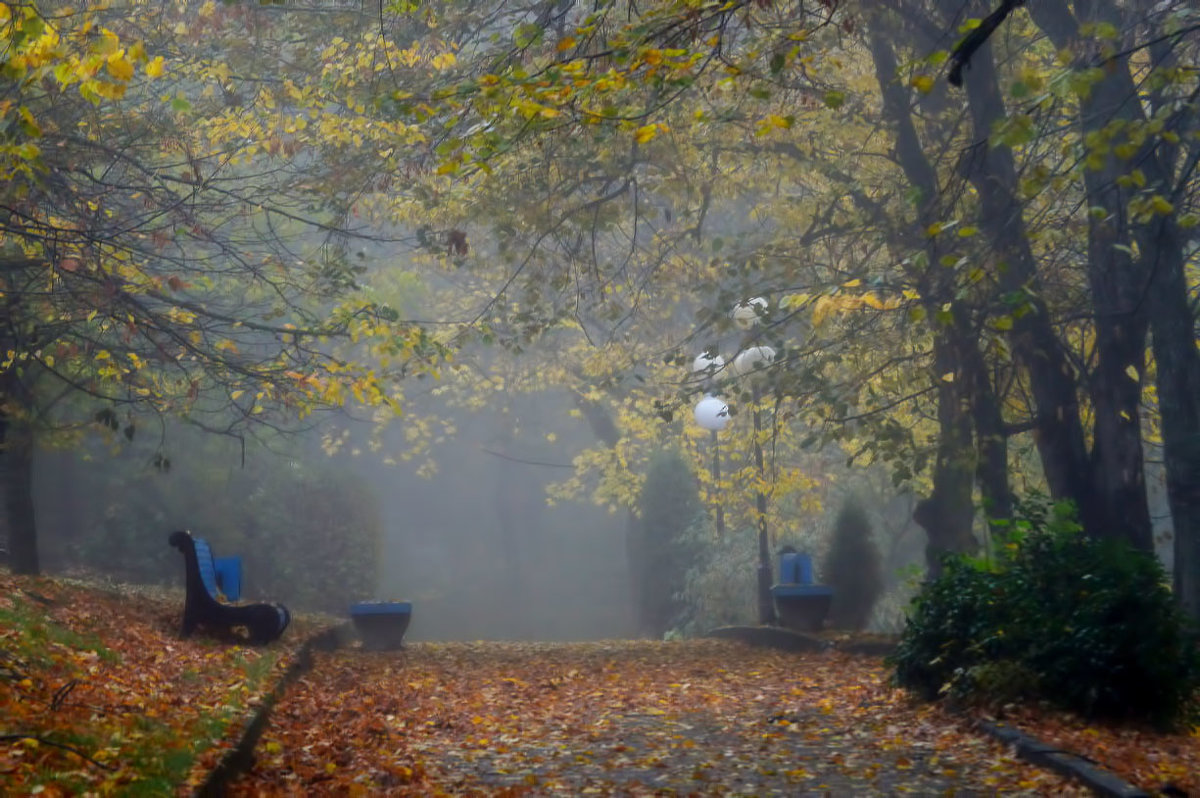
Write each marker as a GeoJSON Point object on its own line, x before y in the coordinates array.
{"type": "Point", "coordinates": [240, 758]}
{"type": "Point", "coordinates": [1065, 763]}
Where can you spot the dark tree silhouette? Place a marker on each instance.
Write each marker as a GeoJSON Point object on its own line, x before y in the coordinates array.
{"type": "Point", "coordinates": [852, 568]}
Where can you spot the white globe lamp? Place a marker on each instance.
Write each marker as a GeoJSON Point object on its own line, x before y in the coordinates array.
{"type": "Point", "coordinates": [747, 314]}
{"type": "Point", "coordinates": [756, 357]}
{"type": "Point", "coordinates": [707, 363]}
{"type": "Point", "coordinates": [711, 413]}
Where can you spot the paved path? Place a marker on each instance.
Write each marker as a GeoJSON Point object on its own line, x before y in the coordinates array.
{"type": "Point", "coordinates": [700, 717]}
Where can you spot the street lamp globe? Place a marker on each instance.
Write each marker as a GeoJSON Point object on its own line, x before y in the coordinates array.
{"type": "Point", "coordinates": [711, 413]}
{"type": "Point", "coordinates": [749, 360]}
{"type": "Point", "coordinates": [707, 363]}
{"type": "Point", "coordinates": [746, 314]}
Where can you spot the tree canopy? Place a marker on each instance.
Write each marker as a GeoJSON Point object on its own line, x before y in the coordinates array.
{"type": "Point", "coordinates": [991, 289]}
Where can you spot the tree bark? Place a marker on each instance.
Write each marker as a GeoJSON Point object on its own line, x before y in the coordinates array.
{"type": "Point", "coordinates": [991, 470]}
{"type": "Point", "coordinates": [1107, 487]}
{"type": "Point", "coordinates": [1160, 266]}
{"type": "Point", "coordinates": [947, 514]}
{"type": "Point", "coordinates": [16, 470]}
{"type": "Point", "coordinates": [1177, 361]}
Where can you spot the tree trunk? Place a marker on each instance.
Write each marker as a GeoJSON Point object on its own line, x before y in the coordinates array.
{"type": "Point", "coordinates": [991, 470]}
{"type": "Point", "coordinates": [1177, 361]}
{"type": "Point", "coordinates": [1108, 488]}
{"type": "Point", "coordinates": [16, 470]}
{"type": "Point", "coordinates": [948, 512]}
{"type": "Point", "coordinates": [1160, 268]}
{"type": "Point", "coordinates": [605, 429]}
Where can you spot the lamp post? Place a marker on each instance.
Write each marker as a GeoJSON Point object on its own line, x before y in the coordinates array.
{"type": "Point", "coordinates": [747, 315]}
{"type": "Point", "coordinates": [713, 414]}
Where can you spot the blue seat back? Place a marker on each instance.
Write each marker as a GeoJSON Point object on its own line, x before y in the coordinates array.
{"type": "Point", "coordinates": [229, 576]}
{"type": "Point", "coordinates": [208, 573]}
{"type": "Point", "coordinates": [795, 569]}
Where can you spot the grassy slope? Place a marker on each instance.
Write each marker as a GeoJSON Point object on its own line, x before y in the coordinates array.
{"type": "Point", "coordinates": [99, 694]}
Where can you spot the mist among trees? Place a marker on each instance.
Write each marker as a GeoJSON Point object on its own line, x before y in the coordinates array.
{"type": "Point", "coordinates": [404, 300]}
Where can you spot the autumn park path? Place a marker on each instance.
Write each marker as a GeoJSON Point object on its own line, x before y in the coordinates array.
{"type": "Point", "coordinates": [629, 717]}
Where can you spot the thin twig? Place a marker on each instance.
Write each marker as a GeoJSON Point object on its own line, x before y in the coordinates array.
{"type": "Point", "coordinates": [60, 695]}
{"type": "Point", "coordinates": [20, 736]}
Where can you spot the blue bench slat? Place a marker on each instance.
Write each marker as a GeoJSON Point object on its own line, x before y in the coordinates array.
{"type": "Point", "coordinates": [208, 573]}
{"type": "Point", "coordinates": [795, 569]}
{"type": "Point", "coordinates": [229, 576]}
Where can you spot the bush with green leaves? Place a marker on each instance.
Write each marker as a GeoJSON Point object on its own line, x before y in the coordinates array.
{"type": "Point", "coordinates": [1088, 625]}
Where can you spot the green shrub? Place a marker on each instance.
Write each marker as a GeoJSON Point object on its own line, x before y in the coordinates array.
{"type": "Point", "coordinates": [1089, 625]}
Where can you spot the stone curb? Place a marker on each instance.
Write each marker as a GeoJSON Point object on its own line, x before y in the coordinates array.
{"type": "Point", "coordinates": [1064, 763]}
{"type": "Point", "coordinates": [240, 758]}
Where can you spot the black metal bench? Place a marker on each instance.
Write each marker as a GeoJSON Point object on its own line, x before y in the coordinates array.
{"type": "Point", "coordinates": [203, 608]}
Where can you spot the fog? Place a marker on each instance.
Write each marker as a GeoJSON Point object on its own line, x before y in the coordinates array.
{"type": "Point", "coordinates": [472, 541]}
{"type": "Point", "coordinates": [479, 552]}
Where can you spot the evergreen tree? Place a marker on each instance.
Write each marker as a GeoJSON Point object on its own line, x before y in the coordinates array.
{"type": "Point", "coordinates": [852, 568]}
{"type": "Point", "coordinates": [668, 504]}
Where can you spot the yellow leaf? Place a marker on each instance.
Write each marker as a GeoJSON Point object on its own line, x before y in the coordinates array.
{"type": "Point", "coordinates": [922, 83]}
{"type": "Point", "coordinates": [236, 394]}
{"type": "Point", "coordinates": [444, 61]}
{"type": "Point", "coordinates": [948, 376]}
{"type": "Point", "coordinates": [1003, 323]}
{"type": "Point", "coordinates": [1161, 205]}
{"type": "Point", "coordinates": [647, 132]}
{"type": "Point", "coordinates": [1132, 373]}
{"type": "Point", "coordinates": [155, 68]}
{"type": "Point", "coordinates": [852, 283]}
{"type": "Point", "coordinates": [119, 66]}
{"type": "Point", "coordinates": [565, 44]}
{"type": "Point", "coordinates": [821, 310]}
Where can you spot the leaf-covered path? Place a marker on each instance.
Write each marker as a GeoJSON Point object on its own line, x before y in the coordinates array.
{"type": "Point", "coordinates": [696, 717]}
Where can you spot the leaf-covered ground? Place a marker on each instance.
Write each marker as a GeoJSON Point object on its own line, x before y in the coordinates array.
{"type": "Point", "coordinates": [696, 717]}
{"type": "Point", "coordinates": [98, 695]}
{"type": "Point", "coordinates": [1140, 755]}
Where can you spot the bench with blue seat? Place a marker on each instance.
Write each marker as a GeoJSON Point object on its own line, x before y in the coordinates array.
{"type": "Point", "coordinates": [209, 579]}
{"type": "Point", "coordinates": [801, 605]}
